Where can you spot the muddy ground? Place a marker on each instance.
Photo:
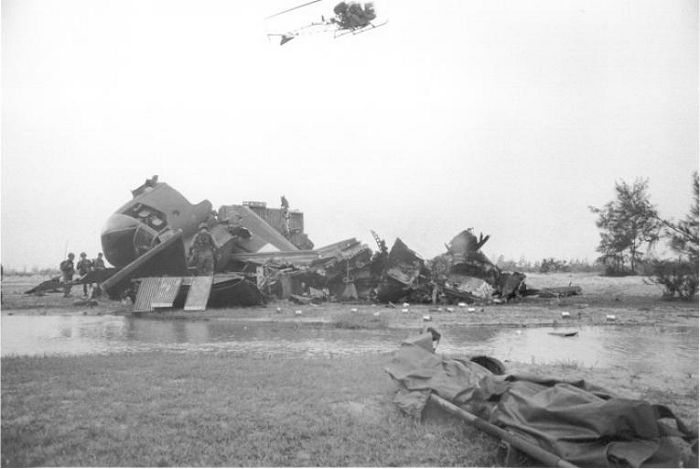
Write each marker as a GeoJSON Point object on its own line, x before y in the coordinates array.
{"type": "Point", "coordinates": [630, 299]}
{"type": "Point", "coordinates": [633, 302]}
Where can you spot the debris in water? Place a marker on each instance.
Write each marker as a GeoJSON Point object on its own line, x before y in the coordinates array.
{"type": "Point", "coordinates": [564, 334]}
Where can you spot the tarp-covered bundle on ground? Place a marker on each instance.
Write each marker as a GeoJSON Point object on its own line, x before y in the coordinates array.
{"type": "Point", "coordinates": [580, 423]}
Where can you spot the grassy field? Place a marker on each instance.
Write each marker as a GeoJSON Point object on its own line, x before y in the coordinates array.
{"type": "Point", "coordinates": [210, 409]}
{"type": "Point", "coordinates": [194, 409]}
{"type": "Point", "coordinates": [218, 410]}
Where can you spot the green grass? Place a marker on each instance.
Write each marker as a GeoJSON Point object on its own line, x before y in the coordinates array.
{"type": "Point", "coordinates": [167, 409]}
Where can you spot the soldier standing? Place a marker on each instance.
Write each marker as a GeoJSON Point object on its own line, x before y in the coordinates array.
{"type": "Point", "coordinates": [67, 270]}
{"type": "Point", "coordinates": [285, 216]}
{"type": "Point", "coordinates": [98, 265]}
{"type": "Point", "coordinates": [84, 266]}
{"type": "Point", "coordinates": [202, 250]}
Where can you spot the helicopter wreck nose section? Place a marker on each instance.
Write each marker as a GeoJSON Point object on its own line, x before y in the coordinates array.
{"type": "Point", "coordinates": [118, 239]}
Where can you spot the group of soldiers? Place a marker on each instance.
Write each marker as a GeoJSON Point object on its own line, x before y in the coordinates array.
{"type": "Point", "coordinates": [202, 258]}
{"type": "Point", "coordinates": [82, 268]}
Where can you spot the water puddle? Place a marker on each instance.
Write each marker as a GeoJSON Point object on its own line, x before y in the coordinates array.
{"type": "Point", "coordinates": [666, 351]}
{"type": "Point", "coordinates": [79, 335]}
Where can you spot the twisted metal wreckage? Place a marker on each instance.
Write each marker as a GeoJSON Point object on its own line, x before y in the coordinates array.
{"type": "Point", "coordinates": [264, 253]}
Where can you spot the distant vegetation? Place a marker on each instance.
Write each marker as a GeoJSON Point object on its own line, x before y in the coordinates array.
{"type": "Point", "coordinates": [548, 265]}
{"type": "Point", "coordinates": [631, 226]}
{"type": "Point", "coordinates": [46, 272]}
{"type": "Point", "coordinates": [679, 276]}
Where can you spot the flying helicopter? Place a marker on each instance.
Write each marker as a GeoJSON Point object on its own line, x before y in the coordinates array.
{"type": "Point", "coordinates": [348, 18]}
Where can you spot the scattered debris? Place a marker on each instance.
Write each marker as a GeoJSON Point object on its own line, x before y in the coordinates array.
{"type": "Point", "coordinates": [53, 285]}
{"type": "Point", "coordinates": [300, 300]}
{"type": "Point", "coordinates": [564, 334]}
{"type": "Point", "coordinates": [558, 292]}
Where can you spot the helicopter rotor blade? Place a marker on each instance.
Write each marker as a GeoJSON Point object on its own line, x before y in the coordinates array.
{"type": "Point", "coordinates": [292, 9]}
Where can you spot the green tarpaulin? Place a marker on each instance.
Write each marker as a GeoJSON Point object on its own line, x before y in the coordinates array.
{"type": "Point", "coordinates": [583, 424]}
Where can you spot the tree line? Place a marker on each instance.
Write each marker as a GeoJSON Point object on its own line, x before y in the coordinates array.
{"type": "Point", "coordinates": [548, 265]}
{"type": "Point", "coordinates": [630, 227]}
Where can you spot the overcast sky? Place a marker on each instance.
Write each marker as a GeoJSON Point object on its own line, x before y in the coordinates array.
{"type": "Point", "coordinates": [511, 117]}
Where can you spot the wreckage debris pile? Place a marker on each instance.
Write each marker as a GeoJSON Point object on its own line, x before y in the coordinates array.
{"type": "Point", "coordinates": [349, 270]}
{"type": "Point", "coordinates": [261, 253]}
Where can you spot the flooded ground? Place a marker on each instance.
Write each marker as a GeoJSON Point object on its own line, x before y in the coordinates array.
{"type": "Point", "coordinates": [668, 351]}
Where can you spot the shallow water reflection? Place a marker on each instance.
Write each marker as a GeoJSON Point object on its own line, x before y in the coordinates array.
{"type": "Point", "coordinates": [666, 351]}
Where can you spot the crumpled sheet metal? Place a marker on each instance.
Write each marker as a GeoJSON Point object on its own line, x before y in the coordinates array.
{"type": "Point", "coordinates": [403, 264]}
{"type": "Point", "coordinates": [473, 286]}
{"type": "Point", "coordinates": [581, 423]}
{"type": "Point", "coordinates": [467, 258]}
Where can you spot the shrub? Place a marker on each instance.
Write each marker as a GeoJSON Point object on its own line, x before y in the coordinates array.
{"type": "Point", "coordinates": [553, 265]}
{"type": "Point", "coordinates": [678, 277]}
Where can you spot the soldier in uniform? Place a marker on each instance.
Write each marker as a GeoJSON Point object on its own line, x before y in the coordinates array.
{"type": "Point", "coordinates": [84, 266]}
{"type": "Point", "coordinates": [285, 216]}
{"type": "Point", "coordinates": [98, 265]}
{"type": "Point", "coordinates": [67, 270]}
{"type": "Point", "coordinates": [202, 251]}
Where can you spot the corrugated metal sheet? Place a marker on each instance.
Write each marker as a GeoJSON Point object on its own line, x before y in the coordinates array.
{"type": "Point", "coordinates": [274, 218]}
{"type": "Point", "coordinates": [168, 288]}
{"type": "Point", "coordinates": [339, 251]}
{"type": "Point", "coordinates": [147, 290]}
{"type": "Point", "coordinates": [198, 296]}
{"type": "Point", "coordinates": [262, 232]}
{"type": "Point", "coordinates": [291, 257]}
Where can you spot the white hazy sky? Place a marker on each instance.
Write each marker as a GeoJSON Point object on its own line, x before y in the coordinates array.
{"type": "Point", "coordinates": [511, 117]}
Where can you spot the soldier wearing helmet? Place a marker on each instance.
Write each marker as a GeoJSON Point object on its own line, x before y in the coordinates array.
{"type": "Point", "coordinates": [84, 266]}
{"type": "Point", "coordinates": [67, 271]}
{"type": "Point", "coordinates": [202, 251]}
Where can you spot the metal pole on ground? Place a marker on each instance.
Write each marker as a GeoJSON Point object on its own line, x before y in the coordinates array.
{"type": "Point", "coordinates": [542, 455]}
